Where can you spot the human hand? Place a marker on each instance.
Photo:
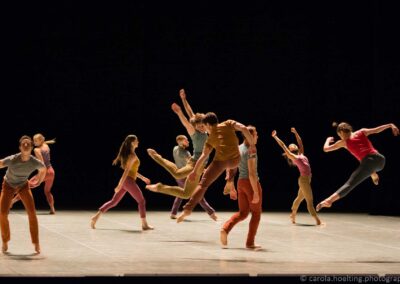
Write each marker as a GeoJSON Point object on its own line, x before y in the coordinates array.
{"type": "Point", "coordinates": [256, 198]}
{"type": "Point", "coordinates": [273, 134]}
{"type": "Point", "coordinates": [395, 130]}
{"type": "Point", "coordinates": [176, 108]}
{"type": "Point", "coordinates": [293, 130]}
{"type": "Point", "coordinates": [182, 94]}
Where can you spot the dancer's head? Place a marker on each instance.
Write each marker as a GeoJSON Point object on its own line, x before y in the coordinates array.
{"type": "Point", "coordinates": [197, 122]}
{"type": "Point", "coordinates": [210, 119]}
{"type": "Point", "coordinates": [343, 130]}
{"type": "Point", "coordinates": [293, 148]}
{"type": "Point", "coordinates": [253, 131]}
{"type": "Point", "coordinates": [25, 144]}
{"type": "Point", "coordinates": [38, 140]}
{"type": "Point", "coordinates": [127, 148]}
{"type": "Point", "coordinates": [182, 141]}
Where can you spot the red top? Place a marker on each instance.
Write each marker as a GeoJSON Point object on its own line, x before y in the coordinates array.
{"type": "Point", "coordinates": [359, 145]}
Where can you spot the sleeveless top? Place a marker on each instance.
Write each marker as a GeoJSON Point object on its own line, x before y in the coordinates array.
{"type": "Point", "coordinates": [360, 146]}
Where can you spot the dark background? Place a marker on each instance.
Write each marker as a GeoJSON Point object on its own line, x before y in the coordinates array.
{"type": "Point", "coordinates": [90, 74]}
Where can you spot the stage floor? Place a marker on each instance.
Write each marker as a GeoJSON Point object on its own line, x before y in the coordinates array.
{"type": "Point", "coordinates": [347, 244]}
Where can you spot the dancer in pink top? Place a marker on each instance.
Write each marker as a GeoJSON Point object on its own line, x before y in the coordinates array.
{"type": "Point", "coordinates": [296, 157]}
{"type": "Point", "coordinates": [358, 144]}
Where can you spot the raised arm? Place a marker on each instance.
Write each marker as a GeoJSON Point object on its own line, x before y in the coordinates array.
{"type": "Point", "coordinates": [289, 154]}
{"type": "Point", "coordinates": [240, 127]}
{"type": "Point", "coordinates": [337, 145]}
{"type": "Point", "coordinates": [298, 139]}
{"type": "Point", "coordinates": [189, 127]}
{"type": "Point", "coordinates": [128, 166]}
{"type": "Point", "coordinates": [186, 105]}
{"type": "Point", "coordinates": [368, 131]}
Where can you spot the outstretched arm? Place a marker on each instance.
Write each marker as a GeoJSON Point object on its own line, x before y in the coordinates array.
{"type": "Point", "coordinates": [298, 139]}
{"type": "Point", "coordinates": [337, 145]}
{"type": "Point", "coordinates": [289, 154]}
{"type": "Point", "coordinates": [186, 105]}
{"type": "Point", "coordinates": [189, 127]}
{"type": "Point", "coordinates": [368, 131]}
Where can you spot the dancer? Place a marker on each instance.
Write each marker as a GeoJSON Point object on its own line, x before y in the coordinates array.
{"type": "Point", "coordinates": [129, 162]}
{"type": "Point", "coordinates": [295, 155]}
{"type": "Point", "coordinates": [222, 138]}
{"type": "Point", "coordinates": [249, 193]}
{"type": "Point", "coordinates": [20, 166]}
{"type": "Point", "coordinates": [196, 129]}
{"type": "Point", "coordinates": [42, 152]}
{"type": "Point", "coordinates": [358, 144]}
{"type": "Point", "coordinates": [181, 155]}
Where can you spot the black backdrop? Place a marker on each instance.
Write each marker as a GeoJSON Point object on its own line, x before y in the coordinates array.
{"type": "Point", "coordinates": [89, 74]}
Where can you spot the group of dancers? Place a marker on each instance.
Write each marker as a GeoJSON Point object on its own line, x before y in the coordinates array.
{"type": "Point", "coordinates": [193, 172]}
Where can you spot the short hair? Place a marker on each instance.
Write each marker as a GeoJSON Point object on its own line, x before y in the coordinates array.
{"type": "Point", "coordinates": [180, 138]}
{"type": "Point", "coordinates": [25, 137]}
{"type": "Point", "coordinates": [210, 118]}
{"type": "Point", "coordinates": [197, 118]}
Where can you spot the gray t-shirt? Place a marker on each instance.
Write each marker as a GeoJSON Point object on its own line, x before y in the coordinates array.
{"type": "Point", "coordinates": [243, 165]}
{"type": "Point", "coordinates": [19, 171]}
{"type": "Point", "coordinates": [180, 156]}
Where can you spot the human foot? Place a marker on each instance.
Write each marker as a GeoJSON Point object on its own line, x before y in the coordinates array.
{"type": "Point", "coordinates": [93, 223]}
{"type": "Point", "coordinates": [172, 216]}
{"type": "Point", "coordinates": [317, 221]}
{"type": "Point", "coordinates": [213, 216]}
{"type": "Point", "coordinates": [324, 203]}
{"type": "Point", "coordinates": [253, 246]}
{"type": "Point", "coordinates": [52, 211]}
{"type": "Point", "coordinates": [182, 216]}
{"type": "Point", "coordinates": [153, 187]}
{"type": "Point", "coordinates": [375, 178]}
{"type": "Point", "coordinates": [37, 247]}
{"type": "Point", "coordinates": [4, 247]}
{"type": "Point", "coordinates": [153, 153]}
{"type": "Point", "coordinates": [293, 218]}
{"type": "Point", "coordinates": [147, 227]}
{"type": "Point", "coordinates": [223, 236]}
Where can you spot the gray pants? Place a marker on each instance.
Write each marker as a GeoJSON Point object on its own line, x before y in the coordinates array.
{"type": "Point", "coordinates": [370, 164]}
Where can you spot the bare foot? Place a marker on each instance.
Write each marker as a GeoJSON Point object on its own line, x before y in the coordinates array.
{"type": "Point", "coordinates": [375, 178]}
{"type": "Point", "coordinates": [322, 204]}
{"type": "Point", "coordinates": [318, 221]}
{"type": "Point", "coordinates": [293, 218]}
{"type": "Point", "coordinates": [172, 216]}
{"type": "Point", "coordinates": [223, 236]}
{"type": "Point", "coordinates": [4, 248]}
{"type": "Point", "coordinates": [37, 247]}
{"type": "Point", "coordinates": [93, 223]}
{"type": "Point", "coordinates": [213, 216]}
{"type": "Point", "coordinates": [253, 246]}
{"type": "Point", "coordinates": [153, 187]}
{"type": "Point", "coordinates": [153, 153]}
{"type": "Point", "coordinates": [147, 227]}
{"type": "Point", "coordinates": [52, 211]}
{"type": "Point", "coordinates": [182, 216]}
{"type": "Point", "coordinates": [233, 194]}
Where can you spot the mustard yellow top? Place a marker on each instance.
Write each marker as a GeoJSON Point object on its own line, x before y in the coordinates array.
{"type": "Point", "coordinates": [135, 167]}
{"type": "Point", "coordinates": [225, 142]}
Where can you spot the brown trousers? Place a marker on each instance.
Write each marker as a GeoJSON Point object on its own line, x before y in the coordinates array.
{"type": "Point", "coordinates": [6, 197]}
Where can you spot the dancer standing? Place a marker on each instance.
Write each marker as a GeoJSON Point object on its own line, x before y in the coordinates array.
{"type": "Point", "coordinates": [295, 155]}
{"type": "Point", "coordinates": [358, 144]}
{"type": "Point", "coordinates": [42, 152]}
{"type": "Point", "coordinates": [181, 156]}
{"type": "Point", "coordinates": [249, 193]}
{"type": "Point", "coordinates": [222, 138]}
{"type": "Point", "coordinates": [196, 129]}
{"type": "Point", "coordinates": [129, 162]}
{"type": "Point", "coordinates": [20, 166]}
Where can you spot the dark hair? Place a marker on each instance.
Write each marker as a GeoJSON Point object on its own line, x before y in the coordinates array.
{"type": "Point", "coordinates": [124, 150]}
{"type": "Point", "coordinates": [210, 118]}
{"type": "Point", "coordinates": [343, 126]}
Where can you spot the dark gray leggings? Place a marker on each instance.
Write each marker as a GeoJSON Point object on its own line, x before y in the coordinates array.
{"type": "Point", "coordinates": [370, 164]}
